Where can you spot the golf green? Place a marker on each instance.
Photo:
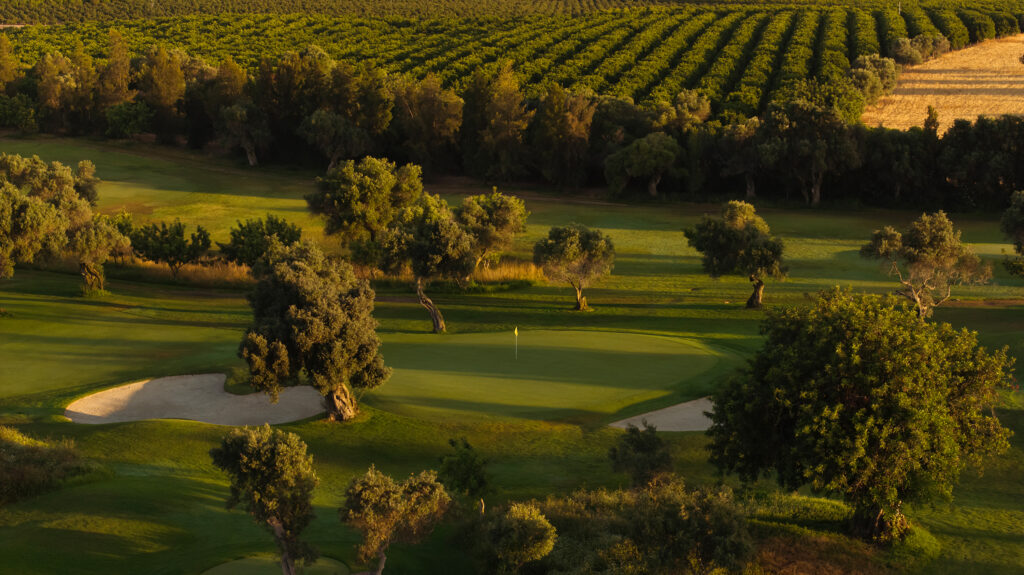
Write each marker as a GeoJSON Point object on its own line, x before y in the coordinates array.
{"type": "Point", "coordinates": [556, 375]}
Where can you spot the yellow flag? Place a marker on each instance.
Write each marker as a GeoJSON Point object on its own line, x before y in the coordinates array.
{"type": "Point", "coordinates": [517, 330]}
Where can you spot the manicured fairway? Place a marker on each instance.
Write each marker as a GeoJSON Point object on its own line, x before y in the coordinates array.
{"type": "Point", "coordinates": [269, 565]}
{"type": "Point", "coordinates": [558, 374]}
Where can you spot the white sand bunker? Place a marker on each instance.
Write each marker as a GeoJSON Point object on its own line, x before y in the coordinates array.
{"type": "Point", "coordinates": [195, 397]}
{"type": "Point", "coordinates": [688, 416]}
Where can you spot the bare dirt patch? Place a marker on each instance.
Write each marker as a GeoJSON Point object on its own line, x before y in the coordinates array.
{"type": "Point", "coordinates": [194, 397]}
{"type": "Point", "coordinates": [687, 416]}
{"type": "Point", "coordinates": [985, 79]}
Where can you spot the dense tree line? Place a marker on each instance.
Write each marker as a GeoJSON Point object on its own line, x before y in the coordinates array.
{"type": "Point", "coordinates": [308, 107]}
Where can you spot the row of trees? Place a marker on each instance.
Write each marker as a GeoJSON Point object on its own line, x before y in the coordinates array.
{"type": "Point", "coordinates": [308, 105]}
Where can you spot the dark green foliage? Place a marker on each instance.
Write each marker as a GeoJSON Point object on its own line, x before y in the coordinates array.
{"type": "Point", "coordinates": [660, 529]}
{"type": "Point", "coordinates": [928, 260]}
{"type": "Point", "coordinates": [641, 454]}
{"type": "Point", "coordinates": [273, 479]}
{"type": "Point", "coordinates": [738, 243]}
{"type": "Point", "coordinates": [251, 239]}
{"type": "Point", "coordinates": [854, 396]}
{"type": "Point", "coordinates": [29, 227]}
{"type": "Point", "coordinates": [562, 135]}
{"type": "Point", "coordinates": [18, 112]}
{"type": "Point", "coordinates": [464, 471]}
{"type": "Point", "coordinates": [517, 536]}
{"type": "Point", "coordinates": [386, 511]}
{"type": "Point", "coordinates": [1012, 224]}
{"type": "Point", "coordinates": [168, 244]}
{"type": "Point", "coordinates": [30, 466]}
{"type": "Point", "coordinates": [312, 317]}
{"type": "Point", "coordinates": [577, 255]}
{"type": "Point", "coordinates": [128, 119]}
{"type": "Point", "coordinates": [649, 158]}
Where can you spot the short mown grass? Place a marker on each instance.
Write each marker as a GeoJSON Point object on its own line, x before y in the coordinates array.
{"type": "Point", "coordinates": [160, 507]}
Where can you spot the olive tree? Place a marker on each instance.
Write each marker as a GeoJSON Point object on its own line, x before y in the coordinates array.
{"type": "Point", "coordinates": [312, 317]}
{"type": "Point", "coordinates": [272, 477]}
{"type": "Point", "coordinates": [650, 157]}
{"type": "Point", "coordinates": [168, 244]}
{"type": "Point", "coordinates": [577, 255]}
{"type": "Point", "coordinates": [739, 242]}
{"type": "Point", "coordinates": [492, 222]}
{"type": "Point", "coordinates": [427, 238]}
{"type": "Point", "coordinates": [359, 200]}
{"type": "Point", "coordinates": [386, 511]}
{"type": "Point", "coordinates": [854, 396]}
{"type": "Point", "coordinates": [464, 471]}
{"type": "Point", "coordinates": [1012, 224]}
{"type": "Point", "coordinates": [93, 244]}
{"type": "Point", "coordinates": [29, 227]}
{"type": "Point", "coordinates": [251, 239]}
{"type": "Point", "coordinates": [928, 259]}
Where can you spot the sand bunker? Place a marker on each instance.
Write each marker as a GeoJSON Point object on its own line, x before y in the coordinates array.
{"type": "Point", "coordinates": [688, 416]}
{"type": "Point", "coordinates": [195, 397]}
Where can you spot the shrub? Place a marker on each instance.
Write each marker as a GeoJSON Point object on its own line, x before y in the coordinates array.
{"type": "Point", "coordinates": [30, 466]}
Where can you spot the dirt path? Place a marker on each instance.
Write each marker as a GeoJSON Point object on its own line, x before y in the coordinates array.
{"type": "Point", "coordinates": [688, 416]}
{"type": "Point", "coordinates": [194, 397]}
{"type": "Point", "coordinates": [985, 79]}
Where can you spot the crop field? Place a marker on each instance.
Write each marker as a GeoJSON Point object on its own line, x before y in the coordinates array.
{"type": "Point", "coordinates": [987, 79]}
{"type": "Point", "coordinates": [156, 506]}
{"type": "Point", "coordinates": [739, 56]}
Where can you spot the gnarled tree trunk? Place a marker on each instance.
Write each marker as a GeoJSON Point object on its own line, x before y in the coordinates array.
{"type": "Point", "coordinates": [381, 560]}
{"type": "Point", "coordinates": [756, 298]}
{"type": "Point", "coordinates": [652, 185]}
{"type": "Point", "coordinates": [581, 302]}
{"type": "Point", "coordinates": [287, 563]}
{"type": "Point", "coordinates": [341, 404]}
{"type": "Point", "coordinates": [92, 275]}
{"type": "Point", "coordinates": [435, 314]}
{"type": "Point", "coordinates": [751, 191]}
{"type": "Point", "coordinates": [877, 525]}
{"type": "Point", "coordinates": [250, 154]}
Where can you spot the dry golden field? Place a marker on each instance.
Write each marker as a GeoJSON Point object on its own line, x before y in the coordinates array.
{"type": "Point", "coordinates": [986, 79]}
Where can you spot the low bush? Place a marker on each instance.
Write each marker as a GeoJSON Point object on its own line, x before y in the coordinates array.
{"type": "Point", "coordinates": [30, 466]}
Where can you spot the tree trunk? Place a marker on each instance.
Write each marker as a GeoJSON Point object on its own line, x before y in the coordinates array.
{"type": "Point", "coordinates": [876, 525]}
{"type": "Point", "coordinates": [581, 302]}
{"type": "Point", "coordinates": [341, 404]}
{"type": "Point", "coordinates": [250, 154]}
{"type": "Point", "coordinates": [751, 192]}
{"type": "Point", "coordinates": [435, 314]}
{"type": "Point", "coordinates": [287, 563]}
{"type": "Point", "coordinates": [92, 275]}
{"type": "Point", "coordinates": [816, 188]}
{"type": "Point", "coordinates": [754, 302]}
{"type": "Point", "coordinates": [381, 559]}
{"type": "Point", "coordinates": [652, 185]}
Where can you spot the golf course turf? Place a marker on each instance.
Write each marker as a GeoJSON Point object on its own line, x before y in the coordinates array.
{"type": "Point", "coordinates": [156, 504]}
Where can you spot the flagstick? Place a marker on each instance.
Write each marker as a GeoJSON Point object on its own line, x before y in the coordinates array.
{"type": "Point", "coordinates": [517, 344]}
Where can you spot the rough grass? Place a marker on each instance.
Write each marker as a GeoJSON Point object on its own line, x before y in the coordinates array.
{"type": "Point", "coordinates": [984, 79]}
{"type": "Point", "coordinates": [161, 509]}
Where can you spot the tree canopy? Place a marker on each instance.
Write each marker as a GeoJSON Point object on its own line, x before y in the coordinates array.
{"type": "Point", "coordinates": [251, 239]}
{"type": "Point", "coordinates": [168, 244]}
{"type": "Point", "coordinates": [386, 511]}
{"type": "Point", "coordinates": [577, 255]}
{"type": "Point", "coordinates": [739, 242]}
{"type": "Point", "coordinates": [928, 259]}
{"type": "Point", "coordinates": [1012, 224]}
{"type": "Point", "coordinates": [272, 477]}
{"type": "Point", "coordinates": [492, 222]}
{"type": "Point", "coordinates": [312, 317]}
{"type": "Point", "coordinates": [854, 396]}
{"type": "Point", "coordinates": [641, 454]}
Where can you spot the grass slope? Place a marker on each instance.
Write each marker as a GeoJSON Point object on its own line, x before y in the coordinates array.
{"type": "Point", "coordinates": [159, 508]}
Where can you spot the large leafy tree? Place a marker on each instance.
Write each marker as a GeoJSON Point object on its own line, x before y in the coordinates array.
{"type": "Point", "coordinates": [93, 244]}
{"type": "Point", "coordinates": [739, 242]}
{"type": "Point", "coordinates": [427, 238]}
{"type": "Point", "coordinates": [492, 222]}
{"type": "Point", "coordinates": [928, 259]}
{"type": "Point", "coordinates": [1012, 224]}
{"type": "Point", "coordinates": [853, 396]}
{"type": "Point", "coordinates": [168, 244]}
{"type": "Point", "coordinates": [504, 128]}
{"type": "Point", "coordinates": [426, 122]}
{"type": "Point", "coordinates": [359, 200]}
{"type": "Point", "coordinates": [577, 255]}
{"type": "Point", "coordinates": [562, 135]}
{"type": "Point", "coordinates": [29, 227]}
{"type": "Point", "coordinates": [386, 511]}
{"type": "Point", "coordinates": [272, 477]}
{"type": "Point", "coordinates": [312, 317]}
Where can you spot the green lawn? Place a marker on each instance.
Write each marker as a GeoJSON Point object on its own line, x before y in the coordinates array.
{"type": "Point", "coordinates": [660, 332]}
